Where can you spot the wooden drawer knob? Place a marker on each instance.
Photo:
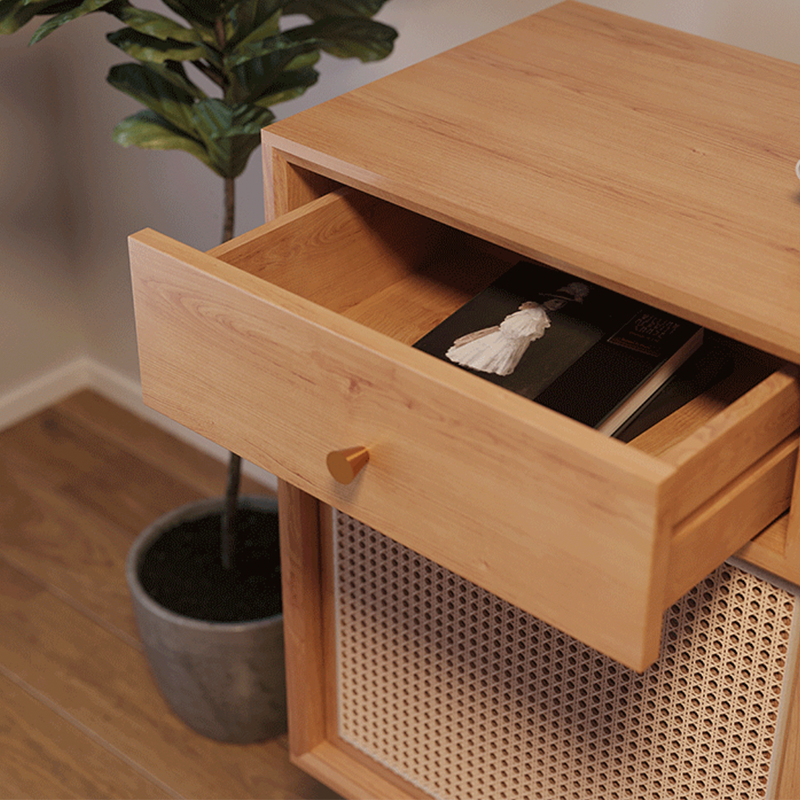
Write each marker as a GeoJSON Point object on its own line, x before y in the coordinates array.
{"type": "Point", "coordinates": [345, 464]}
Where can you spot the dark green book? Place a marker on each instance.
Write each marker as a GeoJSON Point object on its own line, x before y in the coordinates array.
{"type": "Point", "coordinates": [568, 344]}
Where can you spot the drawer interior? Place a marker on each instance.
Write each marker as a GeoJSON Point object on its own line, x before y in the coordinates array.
{"type": "Point", "coordinates": [394, 271]}
{"type": "Point", "coordinates": [401, 274]}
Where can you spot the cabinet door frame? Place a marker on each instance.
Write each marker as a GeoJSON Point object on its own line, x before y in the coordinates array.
{"type": "Point", "coordinates": [309, 633]}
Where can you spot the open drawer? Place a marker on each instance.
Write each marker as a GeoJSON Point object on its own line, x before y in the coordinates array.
{"type": "Point", "coordinates": [292, 341]}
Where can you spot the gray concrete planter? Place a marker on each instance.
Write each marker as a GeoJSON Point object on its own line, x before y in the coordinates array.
{"type": "Point", "coordinates": [225, 680]}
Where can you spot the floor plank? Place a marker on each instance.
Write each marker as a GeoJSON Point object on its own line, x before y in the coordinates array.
{"type": "Point", "coordinates": [77, 482]}
{"type": "Point", "coordinates": [104, 684]}
{"type": "Point", "coordinates": [45, 756]}
{"type": "Point", "coordinates": [66, 455]}
{"type": "Point", "coordinates": [71, 503]}
{"type": "Point", "coordinates": [75, 552]}
{"type": "Point", "coordinates": [129, 432]}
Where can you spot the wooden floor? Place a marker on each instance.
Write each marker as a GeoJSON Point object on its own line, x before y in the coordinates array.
{"type": "Point", "coordinates": [79, 714]}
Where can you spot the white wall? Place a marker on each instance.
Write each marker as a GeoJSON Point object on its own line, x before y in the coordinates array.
{"type": "Point", "coordinates": [69, 196]}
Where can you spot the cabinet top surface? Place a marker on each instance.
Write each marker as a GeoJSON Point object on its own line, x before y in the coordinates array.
{"type": "Point", "coordinates": [652, 161]}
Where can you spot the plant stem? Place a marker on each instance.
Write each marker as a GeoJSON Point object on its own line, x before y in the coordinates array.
{"type": "Point", "coordinates": [228, 532]}
{"type": "Point", "coordinates": [230, 209]}
{"type": "Point", "coordinates": [211, 72]}
{"type": "Point", "coordinates": [228, 523]}
{"type": "Point", "coordinates": [228, 537]}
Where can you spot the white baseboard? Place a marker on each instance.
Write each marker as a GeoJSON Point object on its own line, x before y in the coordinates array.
{"type": "Point", "coordinates": [44, 390]}
{"type": "Point", "coordinates": [86, 373]}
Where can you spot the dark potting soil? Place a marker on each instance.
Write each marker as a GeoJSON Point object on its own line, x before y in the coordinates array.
{"type": "Point", "coordinates": [182, 570]}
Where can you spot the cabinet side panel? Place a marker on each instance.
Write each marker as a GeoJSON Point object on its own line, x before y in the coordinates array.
{"type": "Point", "coordinates": [287, 186]}
{"type": "Point", "coordinates": [788, 761]}
{"type": "Point", "coordinates": [729, 520]}
{"type": "Point", "coordinates": [725, 446]}
{"type": "Point", "coordinates": [777, 548]}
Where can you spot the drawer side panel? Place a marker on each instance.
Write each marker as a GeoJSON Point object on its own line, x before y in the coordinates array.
{"type": "Point", "coordinates": [722, 449]}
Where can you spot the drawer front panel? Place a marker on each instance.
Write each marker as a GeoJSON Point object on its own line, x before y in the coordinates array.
{"type": "Point", "coordinates": [527, 510]}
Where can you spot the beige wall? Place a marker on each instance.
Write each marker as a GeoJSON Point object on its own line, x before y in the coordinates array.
{"type": "Point", "coordinates": [69, 195]}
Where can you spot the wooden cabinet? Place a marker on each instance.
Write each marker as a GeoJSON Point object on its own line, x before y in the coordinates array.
{"type": "Point", "coordinates": [649, 161]}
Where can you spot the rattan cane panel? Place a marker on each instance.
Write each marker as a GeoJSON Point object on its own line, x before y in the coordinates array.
{"type": "Point", "coordinates": [470, 698]}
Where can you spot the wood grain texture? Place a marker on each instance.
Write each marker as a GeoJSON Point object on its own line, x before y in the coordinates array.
{"type": "Point", "coordinates": [105, 685]}
{"type": "Point", "coordinates": [204, 322]}
{"type": "Point", "coordinates": [646, 159]}
{"type": "Point", "coordinates": [199, 471]}
{"type": "Point", "coordinates": [788, 758]}
{"type": "Point", "coordinates": [714, 532]}
{"type": "Point", "coordinates": [396, 272]}
{"type": "Point", "coordinates": [73, 501]}
{"type": "Point", "coordinates": [734, 439]}
{"type": "Point", "coordinates": [352, 774]}
{"type": "Point", "coordinates": [303, 620]}
{"type": "Point", "coordinates": [793, 525]}
{"type": "Point", "coordinates": [293, 185]}
{"type": "Point", "coordinates": [777, 549]}
{"type": "Point", "coordinates": [80, 715]}
{"type": "Point", "coordinates": [653, 162]}
{"type": "Point", "coordinates": [747, 371]}
{"type": "Point", "coordinates": [550, 501]}
{"type": "Point", "coordinates": [46, 756]}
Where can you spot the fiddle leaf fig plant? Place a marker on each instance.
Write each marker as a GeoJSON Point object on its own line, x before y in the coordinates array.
{"type": "Point", "coordinates": [250, 54]}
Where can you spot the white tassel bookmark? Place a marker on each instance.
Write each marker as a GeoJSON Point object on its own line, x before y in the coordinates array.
{"type": "Point", "coordinates": [499, 349]}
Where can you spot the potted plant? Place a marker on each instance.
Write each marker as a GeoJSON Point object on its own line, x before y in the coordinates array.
{"type": "Point", "coordinates": [205, 578]}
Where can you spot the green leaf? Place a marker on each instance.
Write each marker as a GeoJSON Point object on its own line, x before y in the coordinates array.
{"type": "Point", "coordinates": [172, 72]}
{"type": "Point", "coordinates": [254, 18]}
{"type": "Point", "coordinates": [202, 11]}
{"type": "Point", "coordinates": [232, 155]}
{"type": "Point", "coordinates": [253, 78]}
{"type": "Point", "coordinates": [284, 46]}
{"type": "Point", "coordinates": [319, 9]}
{"type": "Point", "coordinates": [303, 61]}
{"type": "Point", "coordinates": [230, 133]}
{"type": "Point", "coordinates": [151, 131]}
{"type": "Point", "coordinates": [215, 119]}
{"type": "Point", "coordinates": [227, 155]}
{"type": "Point", "coordinates": [175, 72]}
{"type": "Point", "coordinates": [201, 16]}
{"type": "Point", "coordinates": [250, 119]}
{"type": "Point", "coordinates": [290, 84]}
{"type": "Point", "coordinates": [344, 37]}
{"type": "Point", "coordinates": [351, 37]}
{"type": "Point", "coordinates": [247, 33]}
{"type": "Point", "coordinates": [16, 13]}
{"type": "Point", "coordinates": [86, 7]}
{"type": "Point", "coordinates": [148, 48]}
{"type": "Point", "coordinates": [159, 88]}
{"type": "Point", "coordinates": [152, 24]}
